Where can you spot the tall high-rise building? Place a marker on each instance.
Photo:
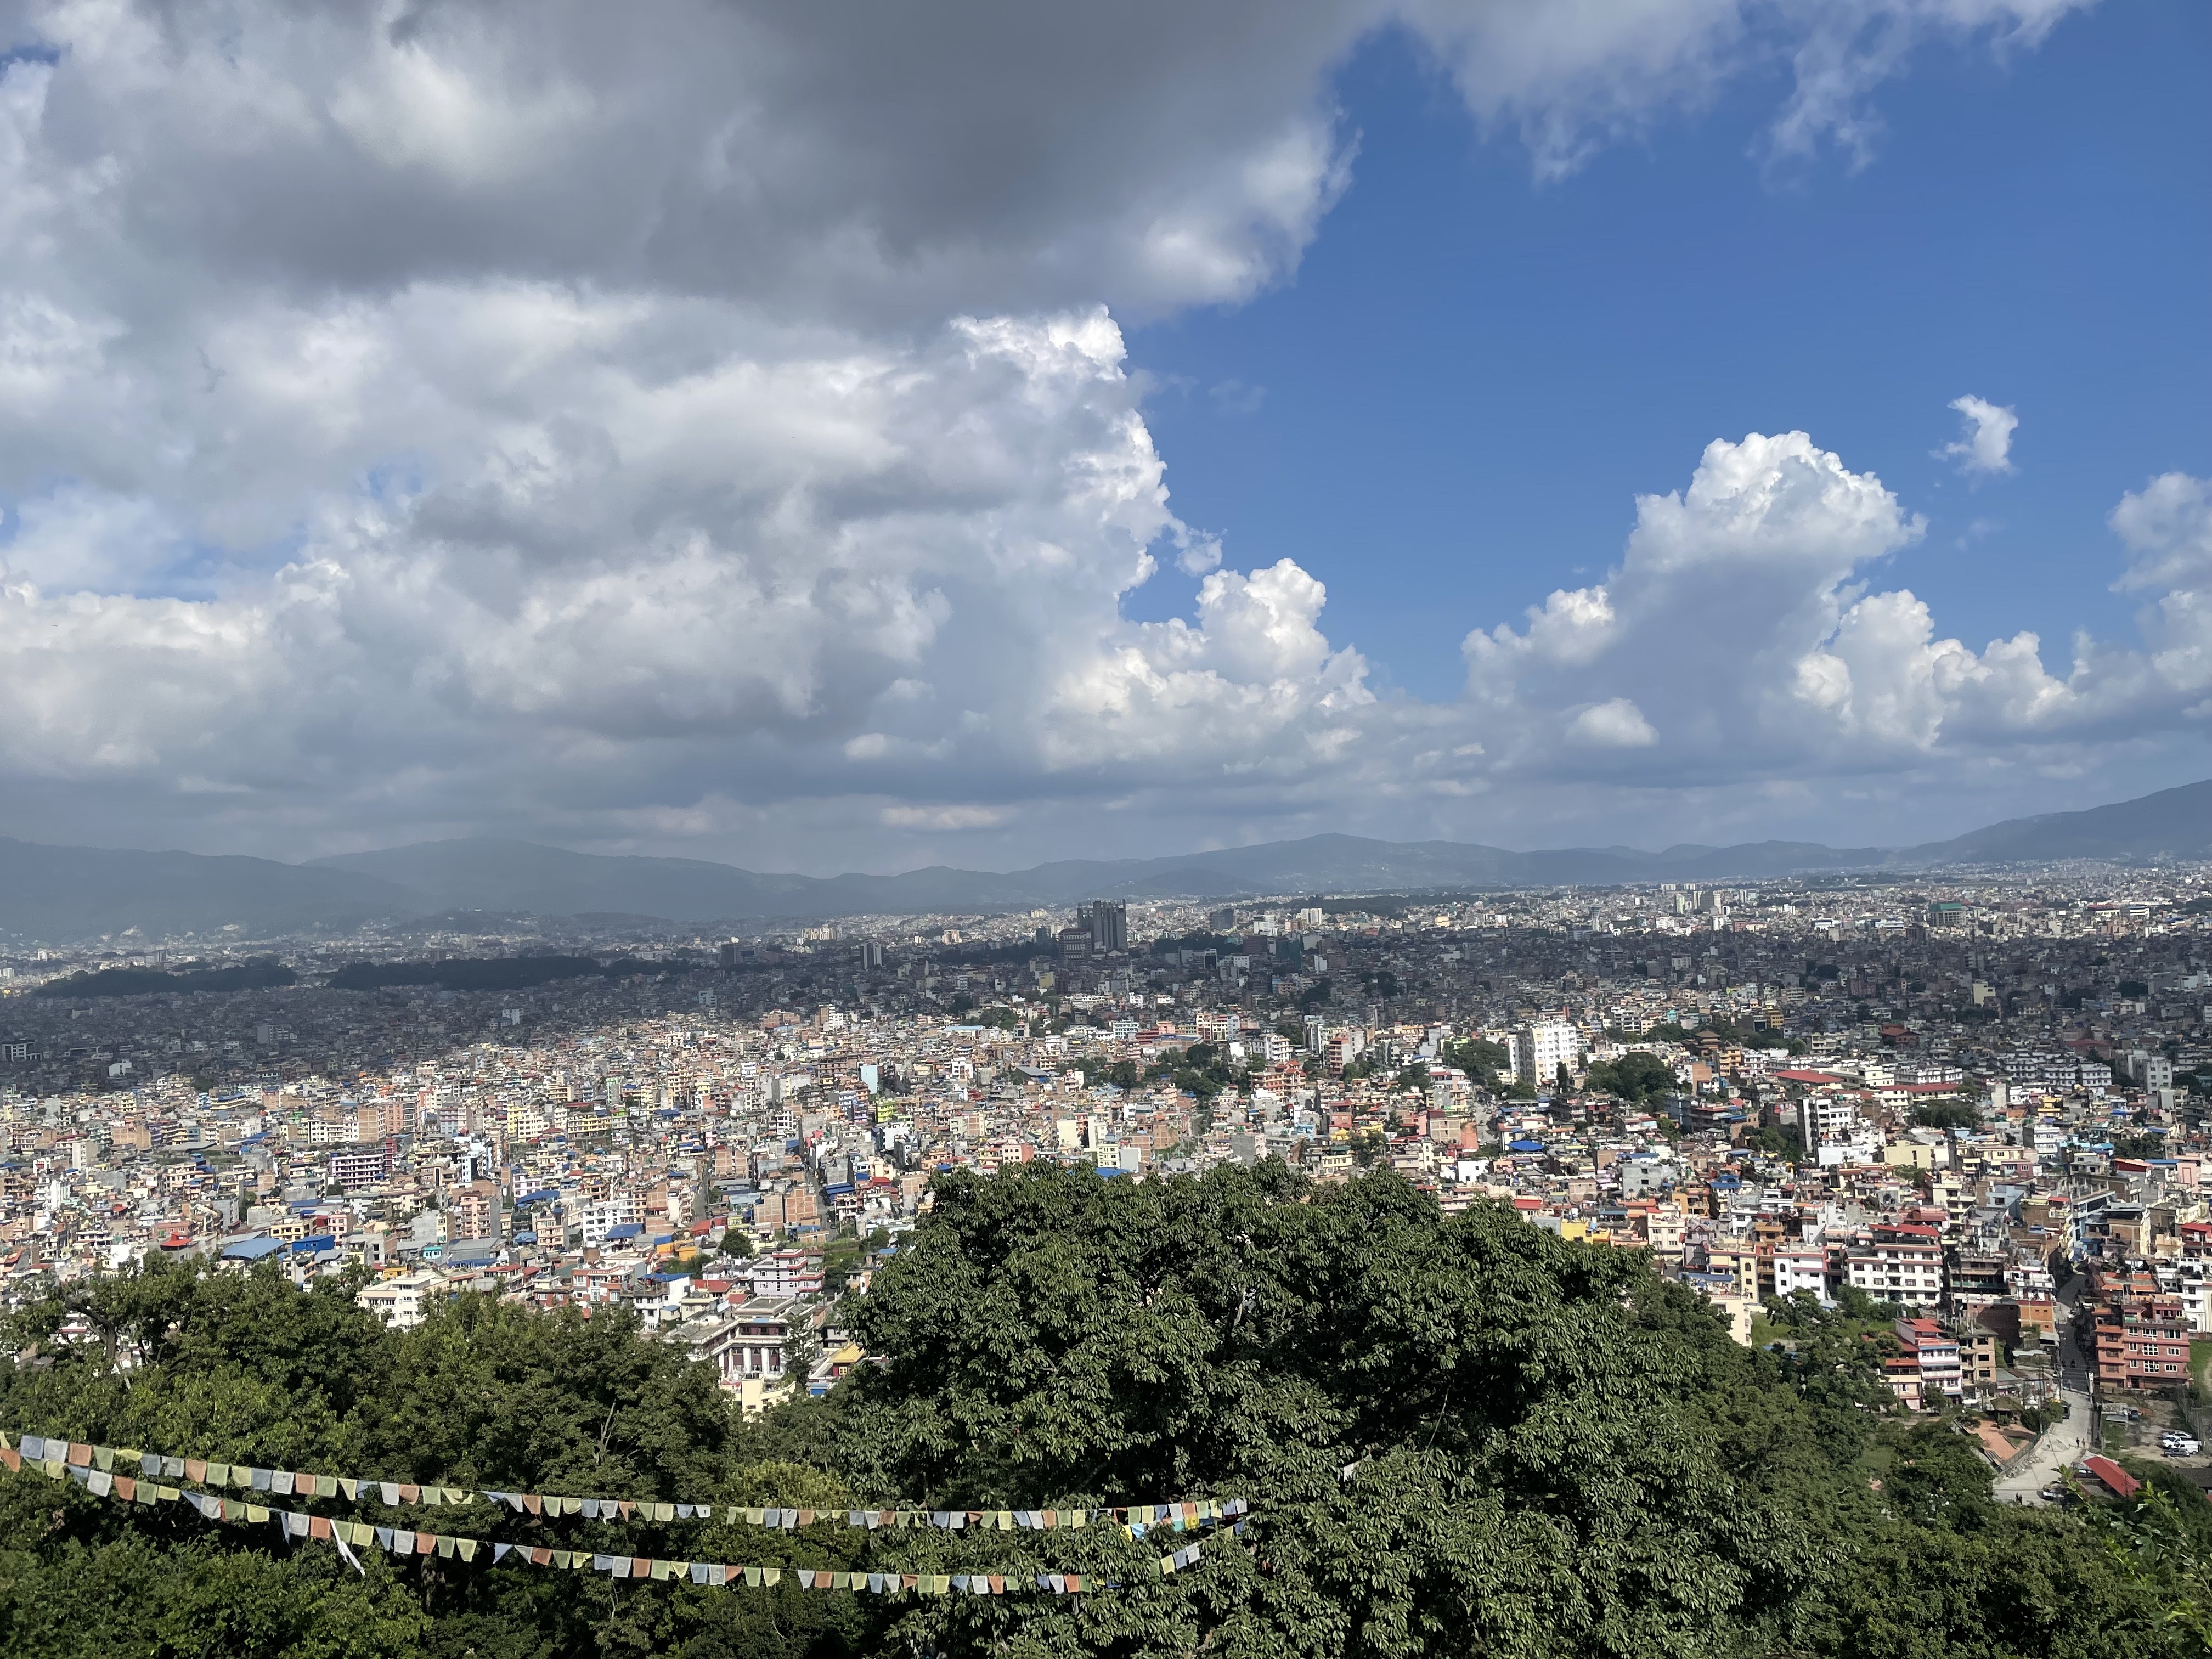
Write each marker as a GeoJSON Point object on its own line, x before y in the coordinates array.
{"type": "Point", "coordinates": [1107, 920]}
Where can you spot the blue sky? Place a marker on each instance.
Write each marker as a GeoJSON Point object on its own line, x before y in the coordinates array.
{"type": "Point", "coordinates": [740, 430]}
{"type": "Point", "coordinates": [1447, 411]}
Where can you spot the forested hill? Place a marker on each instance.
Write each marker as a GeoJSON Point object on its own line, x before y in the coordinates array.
{"type": "Point", "coordinates": [1458, 1436]}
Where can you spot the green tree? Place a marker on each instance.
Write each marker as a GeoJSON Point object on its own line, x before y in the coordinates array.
{"type": "Point", "coordinates": [1947, 1114]}
{"type": "Point", "coordinates": [1639, 1076]}
{"type": "Point", "coordinates": [1459, 1433]}
{"type": "Point", "coordinates": [1481, 1060]}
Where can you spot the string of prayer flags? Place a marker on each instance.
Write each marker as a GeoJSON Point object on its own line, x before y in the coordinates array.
{"type": "Point", "coordinates": [284, 1483]}
{"type": "Point", "coordinates": [1136, 1519]}
{"type": "Point", "coordinates": [348, 1535]}
{"type": "Point", "coordinates": [1185, 1556]}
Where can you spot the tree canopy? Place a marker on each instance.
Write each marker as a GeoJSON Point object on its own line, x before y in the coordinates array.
{"type": "Point", "coordinates": [1459, 1434]}
{"type": "Point", "coordinates": [1639, 1076]}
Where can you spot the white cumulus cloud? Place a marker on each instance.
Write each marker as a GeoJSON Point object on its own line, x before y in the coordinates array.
{"type": "Point", "coordinates": [1985, 446]}
{"type": "Point", "coordinates": [1744, 622]}
{"type": "Point", "coordinates": [1616, 723]}
{"type": "Point", "coordinates": [708, 424]}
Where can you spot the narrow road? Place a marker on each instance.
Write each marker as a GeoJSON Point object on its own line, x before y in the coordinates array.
{"type": "Point", "coordinates": [2065, 1442]}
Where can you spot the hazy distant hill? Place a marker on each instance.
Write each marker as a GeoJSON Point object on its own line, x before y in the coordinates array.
{"type": "Point", "coordinates": [66, 893]}
{"type": "Point", "coordinates": [2172, 824]}
{"type": "Point", "coordinates": [486, 874]}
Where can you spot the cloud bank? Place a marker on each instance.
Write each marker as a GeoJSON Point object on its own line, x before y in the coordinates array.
{"type": "Point", "coordinates": [708, 428]}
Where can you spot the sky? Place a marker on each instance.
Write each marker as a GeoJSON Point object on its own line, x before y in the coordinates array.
{"type": "Point", "coordinates": [841, 438]}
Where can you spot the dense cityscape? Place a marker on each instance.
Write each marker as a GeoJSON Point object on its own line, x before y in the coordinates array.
{"type": "Point", "coordinates": [1971, 1105]}
{"type": "Point", "coordinates": [1342, 831]}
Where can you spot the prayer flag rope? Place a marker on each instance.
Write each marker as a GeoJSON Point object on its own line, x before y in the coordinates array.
{"type": "Point", "coordinates": [1185, 1556]}
{"type": "Point", "coordinates": [403, 1541]}
{"type": "Point", "coordinates": [1137, 1519]}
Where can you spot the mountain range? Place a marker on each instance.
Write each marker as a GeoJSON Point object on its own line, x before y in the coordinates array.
{"type": "Point", "coordinates": [62, 894]}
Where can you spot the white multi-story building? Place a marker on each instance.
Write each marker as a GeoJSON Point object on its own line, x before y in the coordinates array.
{"type": "Point", "coordinates": [1835, 1133]}
{"type": "Point", "coordinates": [603, 1215]}
{"type": "Point", "coordinates": [1540, 1049]}
{"type": "Point", "coordinates": [403, 1302]}
{"type": "Point", "coordinates": [1900, 1263]}
{"type": "Point", "coordinates": [786, 1274]}
{"type": "Point", "coordinates": [353, 1169]}
{"type": "Point", "coordinates": [2191, 1279]}
{"type": "Point", "coordinates": [1801, 1270]}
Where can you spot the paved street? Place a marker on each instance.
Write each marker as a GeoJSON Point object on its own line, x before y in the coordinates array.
{"type": "Point", "coordinates": [2066, 1442]}
{"type": "Point", "coordinates": [2062, 1443]}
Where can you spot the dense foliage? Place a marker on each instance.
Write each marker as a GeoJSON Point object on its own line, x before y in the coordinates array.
{"type": "Point", "coordinates": [466, 973]}
{"type": "Point", "coordinates": [1204, 1069]}
{"type": "Point", "coordinates": [1639, 1076]}
{"type": "Point", "coordinates": [1489, 1065]}
{"type": "Point", "coordinates": [260, 976]}
{"type": "Point", "coordinates": [1460, 1435]}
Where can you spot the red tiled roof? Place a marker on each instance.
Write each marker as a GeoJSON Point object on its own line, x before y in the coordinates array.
{"type": "Point", "coordinates": [2122, 1483]}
